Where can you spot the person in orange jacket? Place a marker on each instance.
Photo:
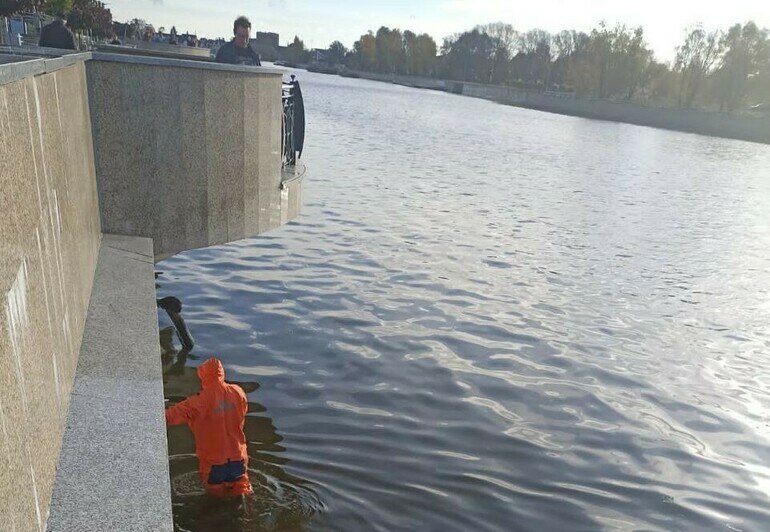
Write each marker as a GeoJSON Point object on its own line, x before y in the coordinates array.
{"type": "Point", "coordinates": [216, 417]}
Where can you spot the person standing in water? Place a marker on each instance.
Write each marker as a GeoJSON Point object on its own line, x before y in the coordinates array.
{"type": "Point", "coordinates": [216, 417]}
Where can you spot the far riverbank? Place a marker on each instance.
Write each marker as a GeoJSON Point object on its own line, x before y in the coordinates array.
{"type": "Point", "coordinates": [715, 124]}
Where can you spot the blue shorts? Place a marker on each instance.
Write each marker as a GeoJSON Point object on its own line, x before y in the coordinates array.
{"type": "Point", "coordinates": [229, 472]}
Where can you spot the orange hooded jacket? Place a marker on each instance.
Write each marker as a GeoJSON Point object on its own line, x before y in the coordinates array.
{"type": "Point", "coordinates": [216, 417]}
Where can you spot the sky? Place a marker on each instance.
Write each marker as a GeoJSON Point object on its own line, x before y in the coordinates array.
{"type": "Point", "coordinates": [320, 22]}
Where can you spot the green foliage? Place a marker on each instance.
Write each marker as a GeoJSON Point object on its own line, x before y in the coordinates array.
{"type": "Point", "coordinates": [58, 7]}
{"type": "Point", "coordinates": [695, 61]}
{"type": "Point", "coordinates": [532, 63]}
{"type": "Point", "coordinates": [337, 53]}
{"type": "Point", "coordinates": [390, 49]}
{"type": "Point", "coordinates": [570, 69]}
{"type": "Point", "coordinates": [364, 54]}
{"type": "Point", "coordinates": [504, 38]}
{"type": "Point", "coordinates": [469, 56]}
{"type": "Point", "coordinates": [296, 51]}
{"type": "Point", "coordinates": [744, 66]}
{"type": "Point", "coordinates": [419, 54]}
{"type": "Point", "coordinates": [13, 7]}
{"type": "Point", "coordinates": [620, 60]}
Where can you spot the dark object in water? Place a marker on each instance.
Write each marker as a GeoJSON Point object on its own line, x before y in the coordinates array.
{"type": "Point", "coordinates": [173, 307]}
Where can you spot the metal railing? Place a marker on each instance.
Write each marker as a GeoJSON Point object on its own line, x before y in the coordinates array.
{"type": "Point", "coordinates": [26, 31]}
{"type": "Point", "coordinates": [293, 123]}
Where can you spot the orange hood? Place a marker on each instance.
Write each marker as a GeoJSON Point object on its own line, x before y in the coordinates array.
{"type": "Point", "coordinates": [211, 372]}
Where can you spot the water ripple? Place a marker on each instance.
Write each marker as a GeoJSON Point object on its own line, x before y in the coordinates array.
{"type": "Point", "coordinates": [491, 318]}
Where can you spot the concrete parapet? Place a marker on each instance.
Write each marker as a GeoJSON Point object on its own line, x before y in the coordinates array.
{"type": "Point", "coordinates": [165, 49]}
{"type": "Point", "coordinates": [187, 153]}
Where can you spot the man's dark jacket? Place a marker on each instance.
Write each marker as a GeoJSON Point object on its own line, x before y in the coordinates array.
{"type": "Point", "coordinates": [229, 53]}
{"type": "Point", "coordinates": [57, 35]}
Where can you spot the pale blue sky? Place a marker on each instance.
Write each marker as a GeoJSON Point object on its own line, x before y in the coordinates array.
{"type": "Point", "coordinates": [319, 22]}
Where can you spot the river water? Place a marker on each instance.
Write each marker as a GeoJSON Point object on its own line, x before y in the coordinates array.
{"type": "Point", "coordinates": [491, 318]}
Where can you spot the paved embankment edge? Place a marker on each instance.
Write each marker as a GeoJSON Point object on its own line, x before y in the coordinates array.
{"type": "Point", "coordinates": [113, 468]}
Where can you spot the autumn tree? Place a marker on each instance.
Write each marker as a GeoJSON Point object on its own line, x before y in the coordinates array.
{"type": "Point", "coordinates": [571, 51]}
{"type": "Point", "coordinates": [52, 7]}
{"type": "Point", "coordinates": [620, 60]}
{"type": "Point", "coordinates": [745, 62]}
{"type": "Point", "coordinates": [58, 8]}
{"type": "Point", "coordinates": [296, 51]}
{"type": "Point", "coordinates": [364, 53]}
{"type": "Point", "coordinates": [468, 56]}
{"type": "Point", "coordinates": [419, 53]}
{"type": "Point", "coordinates": [532, 64]}
{"type": "Point", "coordinates": [695, 60]}
{"type": "Point", "coordinates": [91, 15]}
{"type": "Point", "coordinates": [337, 52]}
{"type": "Point", "coordinates": [662, 84]}
{"type": "Point", "coordinates": [390, 50]}
{"type": "Point", "coordinates": [425, 54]}
{"type": "Point", "coordinates": [410, 52]}
{"type": "Point", "coordinates": [504, 40]}
{"type": "Point", "coordinates": [12, 7]}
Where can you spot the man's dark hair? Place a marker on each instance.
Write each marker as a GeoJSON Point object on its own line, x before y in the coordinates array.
{"type": "Point", "coordinates": [241, 22]}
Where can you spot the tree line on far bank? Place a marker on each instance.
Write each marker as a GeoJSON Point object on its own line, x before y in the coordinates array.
{"type": "Point", "coordinates": [726, 70]}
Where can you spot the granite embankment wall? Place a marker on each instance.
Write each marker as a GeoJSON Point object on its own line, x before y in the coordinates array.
{"type": "Point", "coordinates": [751, 128]}
{"type": "Point", "coordinates": [49, 243]}
{"type": "Point", "coordinates": [170, 155]}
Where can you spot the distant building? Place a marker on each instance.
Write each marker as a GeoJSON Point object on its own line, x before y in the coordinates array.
{"type": "Point", "coordinates": [266, 45]}
{"type": "Point", "coordinates": [265, 38]}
